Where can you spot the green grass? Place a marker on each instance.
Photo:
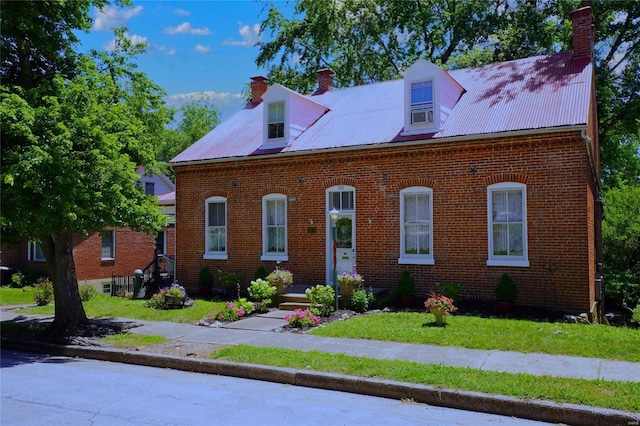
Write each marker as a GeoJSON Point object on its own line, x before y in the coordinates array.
{"type": "Point", "coordinates": [104, 306]}
{"type": "Point", "coordinates": [597, 341]}
{"type": "Point", "coordinates": [131, 340]}
{"type": "Point", "coordinates": [16, 296]}
{"type": "Point", "coordinates": [596, 393]}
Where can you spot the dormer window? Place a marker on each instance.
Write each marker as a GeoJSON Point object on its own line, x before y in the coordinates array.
{"type": "Point", "coordinates": [275, 123]}
{"type": "Point", "coordinates": [422, 102]}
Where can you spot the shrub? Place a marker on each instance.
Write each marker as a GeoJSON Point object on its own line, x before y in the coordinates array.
{"type": "Point", "coordinates": [361, 300]}
{"type": "Point", "coordinates": [162, 299]}
{"type": "Point", "coordinates": [451, 290]}
{"type": "Point", "coordinates": [260, 274]}
{"type": "Point", "coordinates": [231, 311]}
{"type": "Point", "coordinates": [406, 284]}
{"type": "Point", "coordinates": [17, 280]}
{"type": "Point", "coordinates": [302, 319]}
{"type": "Point", "coordinates": [635, 318]}
{"type": "Point", "coordinates": [322, 299]}
{"type": "Point", "coordinates": [229, 279]}
{"type": "Point", "coordinates": [506, 289]}
{"type": "Point", "coordinates": [205, 278]}
{"type": "Point", "coordinates": [43, 292]}
{"type": "Point", "coordinates": [262, 292]}
{"type": "Point", "coordinates": [87, 291]}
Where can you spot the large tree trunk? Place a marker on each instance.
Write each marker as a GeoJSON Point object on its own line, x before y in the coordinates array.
{"type": "Point", "coordinates": [70, 318]}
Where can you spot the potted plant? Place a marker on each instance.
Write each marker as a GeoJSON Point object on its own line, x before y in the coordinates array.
{"type": "Point", "coordinates": [348, 281]}
{"type": "Point", "coordinates": [506, 293]}
{"type": "Point", "coordinates": [280, 279]}
{"type": "Point", "coordinates": [439, 305]}
{"type": "Point", "coordinates": [406, 289]}
{"type": "Point", "coordinates": [205, 282]}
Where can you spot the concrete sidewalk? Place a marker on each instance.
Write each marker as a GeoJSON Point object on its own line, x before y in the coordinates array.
{"type": "Point", "coordinates": [187, 341]}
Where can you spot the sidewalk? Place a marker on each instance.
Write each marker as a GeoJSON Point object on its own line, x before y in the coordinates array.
{"type": "Point", "coordinates": [188, 341]}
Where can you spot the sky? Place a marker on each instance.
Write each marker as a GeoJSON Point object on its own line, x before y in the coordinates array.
{"type": "Point", "coordinates": [195, 49]}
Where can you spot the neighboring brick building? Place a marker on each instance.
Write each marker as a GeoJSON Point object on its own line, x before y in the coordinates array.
{"type": "Point", "coordinates": [457, 176]}
{"type": "Point", "coordinates": [118, 251]}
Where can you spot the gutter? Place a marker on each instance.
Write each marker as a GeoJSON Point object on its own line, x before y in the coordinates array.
{"type": "Point", "coordinates": [462, 138]}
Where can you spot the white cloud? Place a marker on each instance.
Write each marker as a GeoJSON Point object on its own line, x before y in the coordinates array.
{"type": "Point", "coordinates": [181, 12]}
{"type": "Point", "coordinates": [250, 36]}
{"type": "Point", "coordinates": [202, 49]}
{"type": "Point", "coordinates": [186, 28]}
{"type": "Point", "coordinates": [169, 51]}
{"type": "Point", "coordinates": [113, 17]}
{"type": "Point", "coordinates": [226, 103]}
{"type": "Point", "coordinates": [134, 38]}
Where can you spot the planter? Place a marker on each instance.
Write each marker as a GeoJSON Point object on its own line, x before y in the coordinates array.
{"type": "Point", "coordinates": [503, 307]}
{"type": "Point", "coordinates": [174, 302]}
{"type": "Point", "coordinates": [281, 288]}
{"type": "Point", "coordinates": [439, 314]}
{"type": "Point", "coordinates": [346, 288]}
{"type": "Point", "coordinates": [405, 301]}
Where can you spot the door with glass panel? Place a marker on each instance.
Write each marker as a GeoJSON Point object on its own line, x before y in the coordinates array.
{"type": "Point", "coordinates": [341, 199]}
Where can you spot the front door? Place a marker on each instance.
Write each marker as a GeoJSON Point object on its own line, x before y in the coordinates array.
{"type": "Point", "coordinates": [345, 247]}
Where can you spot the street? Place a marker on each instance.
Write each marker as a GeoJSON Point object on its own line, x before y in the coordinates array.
{"type": "Point", "coordinates": [43, 390]}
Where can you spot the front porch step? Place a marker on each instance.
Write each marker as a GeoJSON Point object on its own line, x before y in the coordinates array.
{"type": "Point", "coordinates": [293, 301]}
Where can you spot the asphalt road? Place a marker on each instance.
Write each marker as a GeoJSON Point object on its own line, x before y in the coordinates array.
{"type": "Point", "coordinates": [42, 390]}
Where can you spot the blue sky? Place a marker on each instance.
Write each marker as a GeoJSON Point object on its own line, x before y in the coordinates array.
{"type": "Point", "coordinates": [195, 48]}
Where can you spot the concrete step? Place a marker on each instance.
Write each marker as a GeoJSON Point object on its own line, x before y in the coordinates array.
{"type": "Point", "coordinates": [293, 297]}
{"type": "Point", "coordinates": [292, 306]}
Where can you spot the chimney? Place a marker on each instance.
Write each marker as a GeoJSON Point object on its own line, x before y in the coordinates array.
{"type": "Point", "coordinates": [583, 32]}
{"type": "Point", "coordinates": [325, 81]}
{"type": "Point", "coordinates": [258, 87]}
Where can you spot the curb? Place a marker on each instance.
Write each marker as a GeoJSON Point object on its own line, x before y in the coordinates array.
{"type": "Point", "coordinates": [545, 411]}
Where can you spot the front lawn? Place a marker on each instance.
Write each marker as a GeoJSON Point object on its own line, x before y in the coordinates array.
{"type": "Point", "coordinates": [16, 296]}
{"type": "Point", "coordinates": [598, 341]}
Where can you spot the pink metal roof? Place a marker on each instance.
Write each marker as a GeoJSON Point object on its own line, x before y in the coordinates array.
{"type": "Point", "coordinates": [527, 94]}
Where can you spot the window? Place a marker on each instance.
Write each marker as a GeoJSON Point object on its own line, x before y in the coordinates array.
{"type": "Point", "coordinates": [341, 200]}
{"type": "Point", "coordinates": [422, 102]}
{"type": "Point", "coordinates": [274, 227]}
{"type": "Point", "coordinates": [149, 188]}
{"type": "Point", "coordinates": [507, 224]}
{"type": "Point", "coordinates": [161, 242]}
{"type": "Point", "coordinates": [416, 236]}
{"type": "Point", "coordinates": [216, 228]}
{"type": "Point", "coordinates": [109, 244]}
{"type": "Point", "coordinates": [35, 252]}
{"type": "Point", "coordinates": [275, 124]}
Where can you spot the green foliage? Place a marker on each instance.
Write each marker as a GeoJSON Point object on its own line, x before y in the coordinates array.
{"type": "Point", "coordinates": [261, 273]}
{"type": "Point", "coordinates": [261, 291]}
{"type": "Point", "coordinates": [621, 239]}
{"type": "Point", "coordinates": [302, 319]}
{"type": "Point", "coordinates": [361, 299]}
{"type": "Point", "coordinates": [229, 279]}
{"type": "Point", "coordinates": [231, 311]}
{"type": "Point", "coordinates": [635, 318]}
{"type": "Point", "coordinates": [17, 280]}
{"type": "Point", "coordinates": [205, 278]}
{"type": "Point", "coordinates": [322, 299]}
{"type": "Point", "coordinates": [506, 289]}
{"type": "Point", "coordinates": [43, 292]}
{"type": "Point", "coordinates": [406, 284]}
{"type": "Point", "coordinates": [451, 290]}
{"type": "Point", "coordinates": [87, 291]}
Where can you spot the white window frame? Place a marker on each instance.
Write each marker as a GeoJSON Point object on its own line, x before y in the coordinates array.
{"type": "Point", "coordinates": [507, 260]}
{"type": "Point", "coordinates": [164, 240]}
{"type": "Point", "coordinates": [416, 259]}
{"type": "Point", "coordinates": [281, 139]}
{"type": "Point", "coordinates": [266, 254]}
{"type": "Point", "coordinates": [426, 106]}
{"type": "Point", "coordinates": [112, 255]}
{"type": "Point", "coordinates": [33, 252]}
{"type": "Point", "coordinates": [222, 254]}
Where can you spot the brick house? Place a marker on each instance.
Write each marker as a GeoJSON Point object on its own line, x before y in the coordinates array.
{"type": "Point", "coordinates": [456, 175]}
{"type": "Point", "coordinates": [117, 251]}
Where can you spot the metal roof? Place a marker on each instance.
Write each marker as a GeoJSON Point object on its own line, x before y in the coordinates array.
{"type": "Point", "coordinates": [534, 93]}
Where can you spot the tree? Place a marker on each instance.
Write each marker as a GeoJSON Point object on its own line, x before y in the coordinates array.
{"type": "Point", "coordinates": [197, 119]}
{"type": "Point", "coordinates": [621, 235]}
{"type": "Point", "coordinates": [74, 130]}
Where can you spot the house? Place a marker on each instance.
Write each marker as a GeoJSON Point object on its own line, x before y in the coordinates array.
{"type": "Point", "coordinates": [115, 252]}
{"type": "Point", "coordinates": [457, 176]}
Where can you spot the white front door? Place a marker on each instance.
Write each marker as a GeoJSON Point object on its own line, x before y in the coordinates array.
{"type": "Point", "coordinates": [345, 243]}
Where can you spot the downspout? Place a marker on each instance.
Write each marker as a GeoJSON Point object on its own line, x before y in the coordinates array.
{"type": "Point", "coordinates": [175, 230]}
{"type": "Point", "coordinates": [598, 217]}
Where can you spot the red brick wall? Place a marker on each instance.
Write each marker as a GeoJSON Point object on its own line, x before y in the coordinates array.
{"type": "Point", "coordinates": [559, 205]}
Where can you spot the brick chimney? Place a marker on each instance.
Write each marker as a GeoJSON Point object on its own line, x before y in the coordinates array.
{"type": "Point", "coordinates": [325, 81]}
{"type": "Point", "coordinates": [583, 32]}
{"type": "Point", "coordinates": [258, 87]}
